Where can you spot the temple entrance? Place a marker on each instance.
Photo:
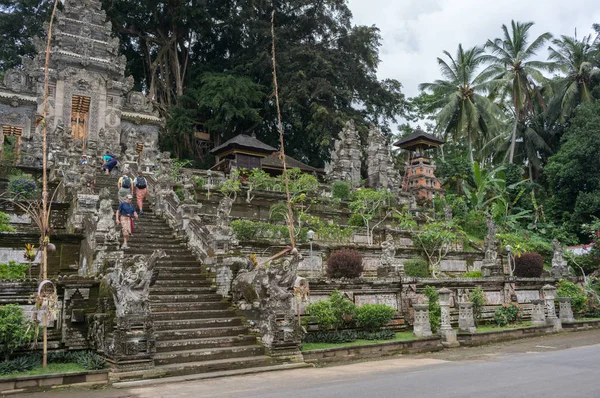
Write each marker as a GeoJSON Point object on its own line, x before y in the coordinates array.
{"type": "Point", "coordinates": [80, 112]}
{"type": "Point", "coordinates": [10, 143]}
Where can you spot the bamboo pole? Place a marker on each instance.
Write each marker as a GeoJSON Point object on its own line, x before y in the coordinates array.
{"type": "Point", "coordinates": [280, 126]}
{"type": "Point", "coordinates": [45, 213]}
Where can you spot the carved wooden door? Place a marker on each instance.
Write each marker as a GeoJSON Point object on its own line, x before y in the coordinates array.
{"type": "Point", "coordinates": [80, 113]}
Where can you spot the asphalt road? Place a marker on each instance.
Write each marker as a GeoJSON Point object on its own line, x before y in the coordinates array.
{"type": "Point", "coordinates": [540, 367]}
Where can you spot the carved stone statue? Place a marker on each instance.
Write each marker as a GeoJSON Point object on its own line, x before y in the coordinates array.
{"type": "Point", "coordinates": [447, 213]}
{"type": "Point", "coordinates": [388, 251]}
{"type": "Point", "coordinates": [271, 289]}
{"type": "Point", "coordinates": [131, 280]}
{"type": "Point", "coordinates": [560, 267]}
{"type": "Point", "coordinates": [189, 188]}
{"type": "Point", "coordinates": [491, 263]}
{"type": "Point", "coordinates": [223, 212]}
{"type": "Point", "coordinates": [106, 218]}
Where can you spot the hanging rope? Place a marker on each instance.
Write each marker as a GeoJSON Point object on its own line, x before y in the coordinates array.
{"type": "Point", "coordinates": [282, 150]}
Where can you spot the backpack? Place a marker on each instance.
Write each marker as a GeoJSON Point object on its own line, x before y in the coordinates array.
{"type": "Point", "coordinates": [141, 183]}
{"type": "Point", "coordinates": [126, 183]}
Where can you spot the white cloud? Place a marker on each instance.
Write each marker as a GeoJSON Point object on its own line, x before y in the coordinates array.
{"type": "Point", "coordinates": [415, 32]}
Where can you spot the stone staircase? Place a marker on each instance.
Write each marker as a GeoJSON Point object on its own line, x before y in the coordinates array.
{"type": "Point", "coordinates": [196, 329]}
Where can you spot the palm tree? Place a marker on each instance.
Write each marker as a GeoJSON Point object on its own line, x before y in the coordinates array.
{"type": "Point", "coordinates": [576, 59]}
{"type": "Point", "coordinates": [465, 111]}
{"type": "Point", "coordinates": [515, 73]}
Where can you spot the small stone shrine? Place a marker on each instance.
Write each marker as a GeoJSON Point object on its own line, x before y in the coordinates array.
{"type": "Point", "coordinates": [560, 267]}
{"type": "Point", "coordinates": [491, 265]}
{"type": "Point", "coordinates": [90, 98]}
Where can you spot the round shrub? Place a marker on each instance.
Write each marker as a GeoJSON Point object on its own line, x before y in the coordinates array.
{"type": "Point", "coordinates": [529, 265]}
{"type": "Point", "coordinates": [416, 267]}
{"type": "Point", "coordinates": [373, 317]}
{"type": "Point", "coordinates": [344, 263]}
{"type": "Point", "coordinates": [575, 292]}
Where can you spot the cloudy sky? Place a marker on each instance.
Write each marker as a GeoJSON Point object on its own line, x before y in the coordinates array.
{"type": "Point", "coordinates": [415, 32]}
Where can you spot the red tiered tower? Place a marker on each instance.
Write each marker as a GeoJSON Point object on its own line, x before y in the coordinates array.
{"type": "Point", "coordinates": [420, 177]}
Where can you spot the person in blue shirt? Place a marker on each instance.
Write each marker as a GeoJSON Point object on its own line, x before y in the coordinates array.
{"type": "Point", "coordinates": [125, 215]}
{"type": "Point", "coordinates": [109, 163]}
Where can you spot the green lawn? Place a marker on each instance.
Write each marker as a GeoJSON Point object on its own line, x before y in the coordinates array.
{"type": "Point", "coordinates": [484, 329]}
{"type": "Point", "coordinates": [402, 336]}
{"type": "Point", "coordinates": [586, 319]}
{"type": "Point", "coordinates": [51, 369]}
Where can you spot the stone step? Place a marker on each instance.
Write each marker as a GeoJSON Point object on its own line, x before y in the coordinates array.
{"type": "Point", "coordinates": [187, 306]}
{"type": "Point", "coordinates": [167, 277]}
{"type": "Point", "coordinates": [177, 282]}
{"type": "Point", "coordinates": [212, 342]}
{"type": "Point", "coordinates": [182, 252]}
{"type": "Point", "coordinates": [160, 290]}
{"type": "Point", "coordinates": [178, 324]}
{"type": "Point", "coordinates": [164, 245]}
{"type": "Point", "coordinates": [186, 334]}
{"type": "Point", "coordinates": [208, 354]}
{"type": "Point", "coordinates": [179, 269]}
{"type": "Point", "coordinates": [178, 315]}
{"type": "Point", "coordinates": [179, 298]}
{"type": "Point", "coordinates": [215, 365]}
{"type": "Point", "coordinates": [150, 240]}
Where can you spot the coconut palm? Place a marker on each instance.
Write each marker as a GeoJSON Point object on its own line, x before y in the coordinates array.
{"type": "Point", "coordinates": [516, 75]}
{"type": "Point", "coordinates": [465, 111]}
{"type": "Point", "coordinates": [575, 58]}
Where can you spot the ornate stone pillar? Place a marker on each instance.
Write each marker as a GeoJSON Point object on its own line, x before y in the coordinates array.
{"type": "Point", "coordinates": [538, 317]}
{"type": "Point", "coordinates": [421, 326]}
{"type": "Point", "coordinates": [565, 313]}
{"type": "Point", "coordinates": [466, 321]}
{"type": "Point", "coordinates": [447, 334]}
{"type": "Point", "coordinates": [549, 295]}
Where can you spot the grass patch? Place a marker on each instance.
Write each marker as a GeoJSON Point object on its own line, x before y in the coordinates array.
{"type": "Point", "coordinates": [586, 319]}
{"type": "Point", "coordinates": [51, 369]}
{"type": "Point", "coordinates": [485, 329]}
{"type": "Point", "coordinates": [401, 336]}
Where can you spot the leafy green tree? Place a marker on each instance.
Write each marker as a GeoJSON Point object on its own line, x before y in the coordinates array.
{"type": "Point", "coordinates": [465, 111]}
{"type": "Point", "coordinates": [20, 22]}
{"type": "Point", "coordinates": [575, 58]}
{"type": "Point", "coordinates": [571, 174]}
{"type": "Point", "coordinates": [15, 330]}
{"type": "Point", "coordinates": [516, 73]}
{"type": "Point", "coordinates": [368, 203]}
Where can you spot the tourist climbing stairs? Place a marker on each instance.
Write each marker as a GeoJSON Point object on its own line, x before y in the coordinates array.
{"type": "Point", "coordinates": [196, 329]}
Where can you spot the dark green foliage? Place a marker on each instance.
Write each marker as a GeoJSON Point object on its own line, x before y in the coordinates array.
{"type": "Point", "coordinates": [344, 263]}
{"type": "Point", "coordinates": [435, 312]}
{"type": "Point", "coordinates": [13, 270]}
{"type": "Point", "coordinates": [335, 312]}
{"type": "Point", "coordinates": [575, 292]}
{"type": "Point", "coordinates": [416, 267]}
{"type": "Point", "coordinates": [347, 336]}
{"type": "Point", "coordinates": [474, 224]}
{"type": "Point", "coordinates": [507, 314]}
{"type": "Point", "coordinates": [20, 22]}
{"type": "Point", "coordinates": [572, 180]}
{"type": "Point", "coordinates": [355, 220]}
{"type": "Point", "coordinates": [479, 300]}
{"type": "Point", "coordinates": [20, 364]}
{"type": "Point", "coordinates": [373, 317]}
{"type": "Point", "coordinates": [588, 263]}
{"type": "Point", "coordinates": [529, 265]}
{"type": "Point", "coordinates": [341, 190]}
{"type": "Point", "coordinates": [278, 211]}
{"type": "Point", "coordinates": [4, 223]}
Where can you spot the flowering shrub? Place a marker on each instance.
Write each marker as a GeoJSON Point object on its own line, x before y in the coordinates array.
{"type": "Point", "coordinates": [22, 186]}
{"type": "Point", "coordinates": [508, 314]}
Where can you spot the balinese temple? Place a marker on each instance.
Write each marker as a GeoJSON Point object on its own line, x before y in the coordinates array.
{"type": "Point", "coordinates": [248, 152]}
{"type": "Point", "coordinates": [91, 104]}
{"type": "Point", "coordinates": [420, 176]}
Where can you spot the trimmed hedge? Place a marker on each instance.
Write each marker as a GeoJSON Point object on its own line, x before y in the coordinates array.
{"type": "Point", "coordinates": [345, 263]}
{"type": "Point", "coordinates": [529, 265]}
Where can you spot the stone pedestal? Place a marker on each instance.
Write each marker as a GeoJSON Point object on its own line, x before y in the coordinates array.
{"type": "Point", "coordinates": [549, 295]}
{"type": "Point", "coordinates": [538, 317]}
{"type": "Point", "coordinates": [466, 321]}
{"type": "Point", "coordinates": [565, 313]}
{"type": "Point", "coordinates": [421, 326]}
{"type": "Point", "coordinates": [447, 334]}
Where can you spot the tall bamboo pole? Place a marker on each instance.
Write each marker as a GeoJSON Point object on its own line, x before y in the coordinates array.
{"type": "Point", "coordinates": [280, 125]}
{"type": "Point", "coordinates": [45, 213]}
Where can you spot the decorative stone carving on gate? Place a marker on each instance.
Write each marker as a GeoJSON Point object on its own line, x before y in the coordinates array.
{"type": "Point", "coordinates": [560, 267]}
{"type": "Point", "coordinates": [491, 265]}
{"type": "Point", "coordinates": [346, 157]}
